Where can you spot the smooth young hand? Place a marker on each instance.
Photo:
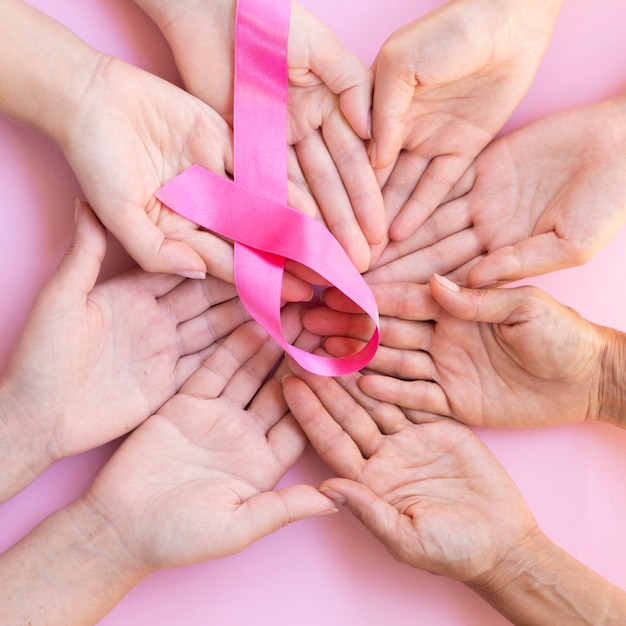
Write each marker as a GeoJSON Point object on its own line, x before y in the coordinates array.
{"type": "Point", "coordinates": [93, 362]}
{"type": "Point", "coordinates": [329, 102]}
{"type": "Point", "coordinates": [545, 197]}
{"type": "Point", "coordinates": [444, 86]}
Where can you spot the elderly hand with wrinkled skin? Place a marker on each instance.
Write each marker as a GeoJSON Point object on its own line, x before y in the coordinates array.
{"type": "Point", "coordinates": [438, 500]}
{"type": "Point", "coordinates": [492, 357]}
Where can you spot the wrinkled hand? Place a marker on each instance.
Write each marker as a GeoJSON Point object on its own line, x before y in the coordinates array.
{"type": "Point", "coordinates": [94, 362]}
{"type": "Point", "coordinates": [545, 197]}
{"type": "Point", "coordinates": [444, 86]}
{"type": "Point", "coordinates": [195, 481]}
{"type": "Point", "coordinates": [494, 357]}
{"type": "Point", "coordinates": [430, 491]}
{"type": "Point", "coordinates": [329, 101]}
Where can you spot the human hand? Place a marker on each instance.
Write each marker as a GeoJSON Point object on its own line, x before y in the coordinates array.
{"type": "Point", "coordinates": [329, 102]}
{"type": "Point", "coordinates": [542, 198]}
{"type": "Point", "coordinates": [444, 86]}
{"type": "Point", "coordinates": [429, 490]}
{"type": "Point", "coordinates": [195, 481]}
{"type": "Point", "coordinates": [95, 361]}
{"type": "Point", "coordinates": [495, 357]}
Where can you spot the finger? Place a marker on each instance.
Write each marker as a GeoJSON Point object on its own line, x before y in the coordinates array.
{"type": "Point", "coordinates": [447, 220]}
{"type": "Point", "coordinates": [394, 87]}
{"type": "Point", "coordinates": [351, 159]}
{"type": "Point", "coordinates": [340, 70]}
{"type": "Point", "coordinates": [440, 258]}
{"type": "Point", "coordinates": [147, 244]}
{"type": "Point", "coordinates": [249, 379]}
{"type": "Point", "coordinates": [217, 371]}
{"type": "Point", "coordinates": [329, 191]}
{"type": "Point", "coordinates": [407, 301]}
{"type": "Point", "coordinates": [326, 322]}
{"type": "Point", "coordinates": [78, 270]}
{"type": "Point", "coordinates": [433, 186]}
{"type": "Point", "coordinates": [401, 182]}
{"type": "Point", "coordinates": [531, 257]}
{"type": "Point", "coordinates": [384, 521]}
{"type": "Point", "coordinates": [191, 298]}
{"type": "Point", "coordinates": [320, 423]}
{"type": "Point", "coordinates": [210, 326]}
{"type": "Point", "coordinates": [422, 395]}
{"type": "Point", "coordinates": [270, 511]}
{"type": "Point", "coordinates": [496, 306]}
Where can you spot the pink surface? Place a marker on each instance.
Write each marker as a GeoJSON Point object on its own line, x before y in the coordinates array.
{"type": "Point", "coordinates": [329, 570]}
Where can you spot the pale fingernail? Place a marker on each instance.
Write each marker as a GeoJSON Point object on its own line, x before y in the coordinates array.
{"type": "Point", "coordinates": [333, 495]}
{"type": "Point", "coordinates": [373, 154]}
{"type": "Point", "coordinates": [328, 512]}
{"type": "Point", "coordinates": [446, 283]}
{"type": "Point", "coordinates": [192, 274]}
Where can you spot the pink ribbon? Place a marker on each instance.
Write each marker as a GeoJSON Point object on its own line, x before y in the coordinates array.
{"type": "Point", "coordinates": [252, 210]}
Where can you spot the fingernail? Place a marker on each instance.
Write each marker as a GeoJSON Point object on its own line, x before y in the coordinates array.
{"type": "Point", "coordinates": [192, 274]}
{"type": "Point", "coordinates": [328, 512]}
{"type": "Point", "coordinates": [446, 283]}
{"type": "Point", "coordinates": [285, 377]}
{"type": "Point", "coordinates": [77, 204]}
{"type": "Point", "coordinates": [373, 154]}
{"type": "Point", "coordinates": [333, 495]}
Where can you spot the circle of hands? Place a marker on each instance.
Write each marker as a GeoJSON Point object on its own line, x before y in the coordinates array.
{"type": "Point", "coordinates": [403, 164]}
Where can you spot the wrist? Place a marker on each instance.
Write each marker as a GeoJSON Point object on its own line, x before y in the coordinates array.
{"type": "Point", "coordinates": [44, 68]}
{"type": "Point", "coordinates": [612, 378]}
{"type": "Point", "coordinates": [65, 571]}
{"type": "Point", "coordinates": [23, 444]}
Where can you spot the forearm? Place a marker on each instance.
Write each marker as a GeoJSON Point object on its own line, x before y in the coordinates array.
{"type": "Point", "coordinates": [44, 68]}
{"type": "Point", "coordinates": [22, 447]}
{"type": "Point", "coordinates": [65, 572]}
{"type": "Point", "coordinates": [538, 584]}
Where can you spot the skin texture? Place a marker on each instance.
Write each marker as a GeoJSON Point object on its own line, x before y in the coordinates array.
{"type": "Point", "coordinates": [194, 482]}
{"type": "Point", "coordinates": [329, 102]}
{"type": "Point", "coordinates": [444, 86]}
{"type": "Point", "coordinates": [438, 500]}
{"type": "Point", "coordinates": [94, 361]}
{"type": "Point", "coordinates": [492, 357]}
{"type": "Point", "coordinates": [539, 199]}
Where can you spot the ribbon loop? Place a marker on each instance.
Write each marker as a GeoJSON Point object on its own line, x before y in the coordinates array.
{"type": "Point", "coordinates": [252, 210]}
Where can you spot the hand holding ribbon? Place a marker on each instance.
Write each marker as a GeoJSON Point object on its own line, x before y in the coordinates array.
{"type": "Point", "coordinates": [252, 210]}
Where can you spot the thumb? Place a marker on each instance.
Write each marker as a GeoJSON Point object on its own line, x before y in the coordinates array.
{"type": "Point", "coordinates": [494, 306]}
{"type": "Point", "coordinates": [269, 511]}
{"type": "Point", "coordinates": [338, 68]}
{"type": "Point", "coordinates": [80, 267]}
{"type": "Point", "coordinates": [379, 517]}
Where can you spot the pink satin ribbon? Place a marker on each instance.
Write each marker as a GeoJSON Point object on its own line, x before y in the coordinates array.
{"type": "Point", "coordinates": [252, 210]}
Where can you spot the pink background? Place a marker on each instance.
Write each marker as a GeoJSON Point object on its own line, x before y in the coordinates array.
{"type": "Point", "coordinates": [329, 570]}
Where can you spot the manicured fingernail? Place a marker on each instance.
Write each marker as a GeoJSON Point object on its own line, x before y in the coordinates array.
{"type": "Point", "coordinates": [333, 495]}
{"type": "Point", "coordinates": [192, 274]}
{"type": "Point", "coordinates": [446, 283]}
{"type": "Point", "coordinates": [373, 154]}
